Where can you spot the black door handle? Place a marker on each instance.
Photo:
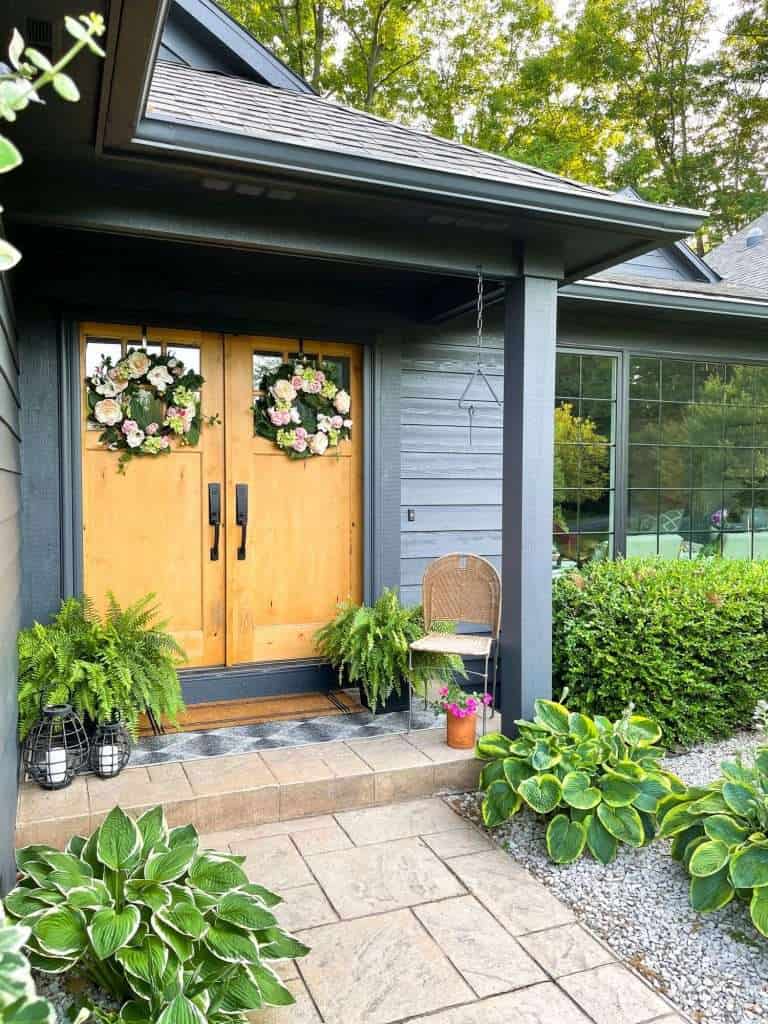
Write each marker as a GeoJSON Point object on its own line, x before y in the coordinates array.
{"type": "Point", "coordinates": [241, 517]}
{"type": "Point", "coordinates": [214, 517]}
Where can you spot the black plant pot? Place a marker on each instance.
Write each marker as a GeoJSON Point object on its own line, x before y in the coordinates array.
{"type": "Point", "coordinates": [395, 702]}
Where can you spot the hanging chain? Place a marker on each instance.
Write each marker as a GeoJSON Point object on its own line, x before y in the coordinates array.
{"type": "Point", "coordinates": [479, 313]}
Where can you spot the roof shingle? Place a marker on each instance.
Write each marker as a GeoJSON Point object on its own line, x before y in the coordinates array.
{"type": "Point", "coordinates": [743, 265]}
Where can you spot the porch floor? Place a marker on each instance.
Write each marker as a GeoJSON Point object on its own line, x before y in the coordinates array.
{"type": "Point", "coordinates": [413, 914]}
{"type": "Point", "coordinates": [217, 793]}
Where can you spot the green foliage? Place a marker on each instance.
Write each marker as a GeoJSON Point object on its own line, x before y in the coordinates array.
{"type": "Point", "coordinates": [599, 781]}
{"type": "Point", "coordinates": [685, 641]}
{"type": "Point", "coordinates": [720, 833]}
{"type": "Point", "coordinates": [175, 933]}
{"type": "Point", "coordinates": [368, 645]}
{"type": "Point", "coordinates": [19, 1003]}
{"type": "Point", "coordinates": [29, 72]}
{"type": "Point", "coordinates": [121, 664]}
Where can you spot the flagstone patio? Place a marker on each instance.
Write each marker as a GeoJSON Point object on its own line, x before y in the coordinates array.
{"type": "Point", "coordinates": [414, 915]}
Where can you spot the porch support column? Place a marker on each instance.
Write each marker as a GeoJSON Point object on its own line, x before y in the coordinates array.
{"type": "Point", "coordinates": [530, 328]}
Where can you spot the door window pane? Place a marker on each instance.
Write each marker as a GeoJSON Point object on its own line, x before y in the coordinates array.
{"type": "Point", "coordinates": [188, 354]}
{"type": "Point", "coordinates": [263, 362]}
{"type": "Point", "coordinates": [584, 459]}
{"type": "Point", "coordinates": [95, 351]}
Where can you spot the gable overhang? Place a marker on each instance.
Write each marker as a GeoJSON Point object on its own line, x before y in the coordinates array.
{"type": "Point", "coordinates": [666, 300]}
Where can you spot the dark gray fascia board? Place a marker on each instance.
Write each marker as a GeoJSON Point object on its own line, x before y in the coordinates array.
{"type": "Point", "coordinates": [189, 140]}
{"type": "Point", "coordinates": [216, 22]}
{"type": "Point", "coordinates": [630, 295]}
{"type": "Point", "coordinates": [690, 256]}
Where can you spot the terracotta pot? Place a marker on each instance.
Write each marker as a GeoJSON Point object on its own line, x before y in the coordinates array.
{"type": "Point", "coordinates": [461, 731]}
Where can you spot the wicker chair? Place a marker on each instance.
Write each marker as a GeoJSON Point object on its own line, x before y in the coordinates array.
{"type": "Point", "coordinates": [462, 588]}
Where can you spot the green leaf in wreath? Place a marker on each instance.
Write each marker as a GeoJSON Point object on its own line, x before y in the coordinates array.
{"type": "Point", "coordinates": [565, 839]}
{"type": "Point", "coordinates": [726, 829]}
{"type": "Point", "coordinates": [541, 792]}
{"type": "Point", "coordinates": [758, 910]}
{"type": "Point", "coordinates": [602, 845]}
{"type": "Point", "coordinates": [749, 867]}
{"type": "Point", "coordinates": [111, 929]}
{"type": "Point", "coordinates": [119, 843]}
{"type": "Point", "coordinates": [61, 932]}
{"type": "Point", "coordinates": [622, 822]}
{"type": "Point", "coordinates": [500, 803]}
{"type": "Point", "coordinates": [711, 892]}
{"type": "Point", "coordinates": [577, 791]}
{"type": "Point", "coordinates": [552, 716]}
{"type": "Point", "coordinates": [708, 858]}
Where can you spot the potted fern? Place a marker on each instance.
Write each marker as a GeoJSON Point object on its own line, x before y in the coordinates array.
{"type": "Point", "coordinates": [368, 646]}
{"type": "Point", "coordinates": [108, 668]}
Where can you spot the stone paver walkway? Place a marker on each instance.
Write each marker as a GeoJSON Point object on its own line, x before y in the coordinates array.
{"type": "Point", "coordinates": [414, 915]}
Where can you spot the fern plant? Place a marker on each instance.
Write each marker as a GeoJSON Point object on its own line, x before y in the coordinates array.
{"type": "Point", "coordinates": [368, 645]}
{"type": "Point", "coordinates": [115, 666]}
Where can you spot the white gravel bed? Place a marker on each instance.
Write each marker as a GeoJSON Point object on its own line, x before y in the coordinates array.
{"type": "Point", "coordinates": [714, 966]}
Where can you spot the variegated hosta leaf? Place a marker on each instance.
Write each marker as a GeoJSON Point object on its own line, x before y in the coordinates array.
{"type": "Point", "coordinates": [623, 823]}
{"type": "Point", "coordinates": [541, 792]}
{"type": "Point", "coordinates": [239, 993]}
{"type": "Point", "coordinates": [544, 756]}
{"type": "Point", "coordinates": [708, 858]}
{"type": "Point", "coordinates": [267, 897]}
{"type": "Point", "coordinates": [726, 829]}
{"type": "Point", "coordinates": [551, 715]}
{"type": "Point", "coordinates": [491, 746]}
{"type": "Point", "coordinates": [515, 770]}
{"type": "Point", "coordinates": [271, 987]}
{"type": "Point", "coordinates": [677, 819]}
{"type": "Point", "coordinates": [181, 945]}
{"type": "Point", "coordinates": [187, 919]}
{"type": "Point", "coordinates": [147, 961]}
{"type": "Point", "coordinates": [618, 792]}
{"type": "Point", "coordinates": [111, 929]}
{"type": "Point", "coordinates": [493, 771]}
{"type": "Point", "coordinates": [565, 839]}
{"type": "Point", "coordinates": [653, 788]}
{"type": "Point", "coordinates": [119, 843]}
{"type": "Point", "coordinates": [153, 829]}
{"type": "Point", "coordinates": [758, 909]}
{"type": "Point", "coordinates": [602, 845]}
{"type": "Point", "coordinates": [641, 731]}
{"type": "Point", "coordinates": [749, 867]}
{"type": "Point", "coordinates": [231, 945]}
{"type": "Point", "coordinates": [181, 1011]}
{"type": "Point", "coordinates": [150, 894]}
{"type": "Point", "coordinates": [61, 932]}
{"type": "Point", "coordinates": [577, 791]}
{"type": "Point", "coordinates": [216, 876]}
{"type": "Point", "coordinates": [244, 912]}
{"type": "Point", "coordinates": [740, 797]}
{"type": "Point", "coordinates": [170, 865]}
{"type": "Point", "coordinates": [275, 944]}
{"type": "Point", "coordinates": [711, 892]}
{"type": "Point", "coordinates": [581, 726]}
{"type": "Point", "coordinates": [499, 804]}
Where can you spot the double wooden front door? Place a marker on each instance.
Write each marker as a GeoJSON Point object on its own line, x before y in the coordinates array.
{"type": "Point", "coordinates": [265, 591]}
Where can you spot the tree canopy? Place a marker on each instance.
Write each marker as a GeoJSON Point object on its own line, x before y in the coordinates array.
{"type": "Point", "coordinates": [664, 95]}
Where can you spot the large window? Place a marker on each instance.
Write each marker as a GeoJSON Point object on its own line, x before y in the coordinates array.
{"type": "Point", "coordinates": [698, 459]}
{"type": "Point", "coordinates": [585, 450]}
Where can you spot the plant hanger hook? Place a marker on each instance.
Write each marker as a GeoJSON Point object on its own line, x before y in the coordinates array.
{"type": "Point", "coordinates": [479, 373]}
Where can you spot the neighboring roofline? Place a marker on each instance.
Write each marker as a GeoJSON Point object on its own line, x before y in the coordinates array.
{"type": "Point", "coordinates": [176, 137]}
{"type": "Point", "coordinates": [229, 33]}
{"type": "Point", "coordinates": [664, 298]}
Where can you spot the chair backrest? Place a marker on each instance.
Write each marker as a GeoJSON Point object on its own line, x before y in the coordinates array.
{"type": "Point", "coordinates": [462, 588]}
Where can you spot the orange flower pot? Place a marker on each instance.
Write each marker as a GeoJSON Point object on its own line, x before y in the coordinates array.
{"type": "Point", "coordinates": [461, 731]}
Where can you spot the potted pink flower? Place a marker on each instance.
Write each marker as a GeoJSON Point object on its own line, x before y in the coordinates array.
{"type": "Point", "coordinates": [460, 709]}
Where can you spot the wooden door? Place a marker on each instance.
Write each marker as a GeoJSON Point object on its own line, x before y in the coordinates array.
{"type": "Point", "coordinates": [304, 550]}
{"type": "Point", "coordinates": [148, 530]}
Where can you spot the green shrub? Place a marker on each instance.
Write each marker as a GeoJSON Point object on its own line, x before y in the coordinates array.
{"type": "Point", "coordinates": [368, 645]}
{"type": "Point", "coordinates": [720, 833]}
{"type": "Point", "coordinates": [120, 665]}
{"type": "Point", "coordinates": [685, 641]}
{"type": "Point", "coordinates": [598, 782]}
{"type": "Point", "coordinates": [175, 934]}
{"type": "Point", "coordinates": [19, 1002]}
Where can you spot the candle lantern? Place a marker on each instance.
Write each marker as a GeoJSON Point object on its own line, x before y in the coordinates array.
{"type": "Point", "coordinates": [56, 747]}
{"type": "Point", "coordinates": [110, 749]}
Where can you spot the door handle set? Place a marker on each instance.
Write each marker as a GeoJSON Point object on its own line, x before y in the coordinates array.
{"type": "Point", "coordinates": [241, 517]}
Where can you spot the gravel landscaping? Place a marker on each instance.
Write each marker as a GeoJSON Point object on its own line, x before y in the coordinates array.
{"type": "Point", "coordinates": [714, 967]}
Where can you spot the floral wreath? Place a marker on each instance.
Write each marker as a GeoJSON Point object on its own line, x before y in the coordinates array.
{"type": "Point", "coordinates": [302, 408]}
{"type": "Point", "coordinates": [143, 401]}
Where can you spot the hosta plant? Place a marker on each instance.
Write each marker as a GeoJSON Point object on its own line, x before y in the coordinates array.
{"type": "Point", "coordinates": [720, 833]}
{"type": "Point", "coordinates": [598, 782]}
{"type": "Point", "coordinates": [176, 934]}
{"type": "Point", "coordinates": [19, 1002]}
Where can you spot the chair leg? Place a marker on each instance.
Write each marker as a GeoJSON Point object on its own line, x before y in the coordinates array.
{"type": "Point", "coordinates": [495, 676]}
{"type": "Point", "coordinates": [485, 693]}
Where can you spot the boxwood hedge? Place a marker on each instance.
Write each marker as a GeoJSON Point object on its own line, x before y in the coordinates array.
{"type": "Point", "coordinates": [685, 641]}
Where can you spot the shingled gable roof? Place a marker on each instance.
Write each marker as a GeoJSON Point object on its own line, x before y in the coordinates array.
{"type": "Point", "coordinates": [741, 264]}
{"type": "Point", "coordinates": [232, 105]}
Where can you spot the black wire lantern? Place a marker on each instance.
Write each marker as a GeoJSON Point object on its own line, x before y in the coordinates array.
{"type": "Point", "coordinates": [110, 749]}
{"type": "Point", "coordinates": [56, 747]}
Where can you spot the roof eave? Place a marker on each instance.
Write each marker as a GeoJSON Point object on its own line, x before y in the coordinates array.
{"type": "Point", "coordinates": [635, 295]}
{"type": "Point", "coordinates": [172, 137]}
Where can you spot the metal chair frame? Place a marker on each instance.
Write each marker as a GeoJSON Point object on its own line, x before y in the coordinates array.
{"type": "Point", "coordinates": [463, 588]}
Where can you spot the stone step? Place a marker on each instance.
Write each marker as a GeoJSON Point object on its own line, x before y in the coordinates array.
{"type": "Point", "coordinates": [217, 794]}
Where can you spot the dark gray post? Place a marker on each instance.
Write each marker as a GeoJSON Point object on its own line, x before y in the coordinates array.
{"type": "Point", "coordinates": [530, 325]}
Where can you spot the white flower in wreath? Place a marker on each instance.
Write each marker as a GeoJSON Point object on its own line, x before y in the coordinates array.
{"type": "Point", "coordinates": [138, 363]}
{"type": "Point", "coordinates": [342, 402]}
{"type": "Point", "coordinates": [135, 438]}
{"type": "Point", "coordinates": [159, 378]}
{"type": "Point", "coordinates": [283, 391]}
{"type": "Point", "coordinates": [348, 424]}
{"type": "Point", "coordinates": [318, 443]}
{"type": "Point", "coordinates": [294, 415]}
{"type": "Point", "coordinates": [323, 422]}
{"type": "Point", "coordinates": [106, 388]}
{"type": "Point", "coordinates": [108, 411]}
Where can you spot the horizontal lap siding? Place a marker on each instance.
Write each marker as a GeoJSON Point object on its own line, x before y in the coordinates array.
{"type": "Point", "coordinates": [10, 577]}
{"type": "Point", "coordinates": [453, 488]}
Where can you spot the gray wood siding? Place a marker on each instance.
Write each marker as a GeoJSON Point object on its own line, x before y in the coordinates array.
{"type": "Point", "coordinates": [10, 577]}
{"type": "Point", "coordinates": [452, 488]}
